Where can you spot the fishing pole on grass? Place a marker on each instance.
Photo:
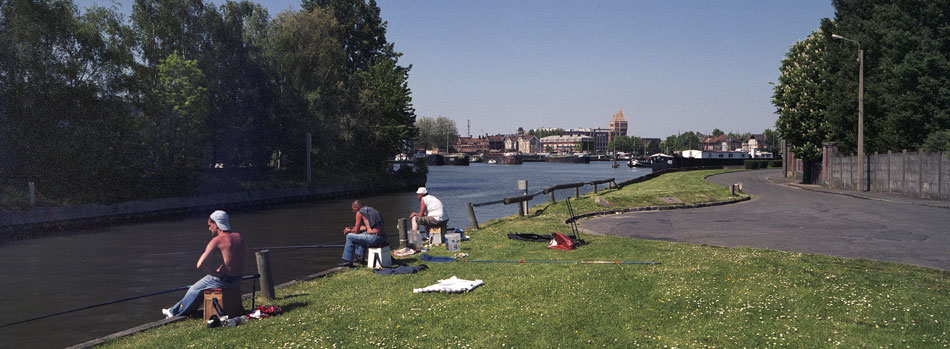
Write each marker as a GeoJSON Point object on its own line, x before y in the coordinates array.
{"type": "Point", "coordinates": [572, 262]}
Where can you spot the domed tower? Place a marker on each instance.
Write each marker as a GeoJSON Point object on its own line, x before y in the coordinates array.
{"type": "Point", "coordinates": [617, 125]}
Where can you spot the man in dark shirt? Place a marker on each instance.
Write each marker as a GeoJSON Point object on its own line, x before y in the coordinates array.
{"type": "Point", "coordinates": [366, 231]}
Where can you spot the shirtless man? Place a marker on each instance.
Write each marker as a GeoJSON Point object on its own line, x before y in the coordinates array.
{"type": "Point", "coordinates": [232, 250]}
{"type": "Point", "coordinates": [366, 231]}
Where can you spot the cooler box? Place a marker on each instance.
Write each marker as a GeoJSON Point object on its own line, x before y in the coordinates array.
{"type": "Point", "coordinates": [453, 242]}
{"type": "Point", "coordinates": [228, 298]}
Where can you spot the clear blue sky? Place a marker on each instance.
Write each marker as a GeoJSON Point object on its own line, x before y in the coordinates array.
{"type": "Point", "coordinates": [673, 66]}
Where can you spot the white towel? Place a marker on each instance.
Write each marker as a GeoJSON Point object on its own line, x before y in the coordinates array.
{"type": "Point", "coordinates": [452, 285]}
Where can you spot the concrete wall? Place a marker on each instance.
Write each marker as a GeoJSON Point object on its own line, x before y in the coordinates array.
{"type": "Point", "coordinates": [917, 174]}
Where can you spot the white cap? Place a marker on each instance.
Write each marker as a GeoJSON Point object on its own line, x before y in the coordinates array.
{"type": "Point", "coordinates": [422, 191]}
{"type": "Point", "coordinates": [221, 219]}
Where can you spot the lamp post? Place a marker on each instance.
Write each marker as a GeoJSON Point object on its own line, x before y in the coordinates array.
{"type": "Point", "coordinates": [864, 185]}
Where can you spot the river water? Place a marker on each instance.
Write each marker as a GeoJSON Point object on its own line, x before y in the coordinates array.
{"type": "Point", "coordinates": [50, 275]}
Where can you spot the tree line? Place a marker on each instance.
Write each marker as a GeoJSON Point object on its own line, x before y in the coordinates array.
{"type": "Point", "coordinates": [906, 57]}
{"type": "Point", "coordinates": [97, 108]}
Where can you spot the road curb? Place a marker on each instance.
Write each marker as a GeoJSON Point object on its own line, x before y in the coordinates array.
{"type": "Point", "coordinates": [856, 196]}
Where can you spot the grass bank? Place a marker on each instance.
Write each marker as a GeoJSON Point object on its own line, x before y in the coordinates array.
{"type": "Point", "coordinates": [699, 296]}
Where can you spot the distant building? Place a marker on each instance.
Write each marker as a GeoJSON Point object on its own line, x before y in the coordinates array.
{"type": "Point", "coordinates": [617, 126]}
{"type": "Point", "coordinates": [496, 143]}
{"type": "Point", "coordinates": [600, 137]}
{"type": "Point", "coordinates": [523, 143]}
{"type": "Point", "coordinates": [565, 144]}
{"type": "Point", "coordinates": [757, 146]}
{"type": "Point", "coordinates": [472, 145]}
{"type": "Point", "coordinates": [721, 143]}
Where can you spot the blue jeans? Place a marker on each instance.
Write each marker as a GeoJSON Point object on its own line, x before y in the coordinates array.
{"type": "Point", "coordinates": [357, 243]}
{"type": "Point", "coordinates": [189, 302]}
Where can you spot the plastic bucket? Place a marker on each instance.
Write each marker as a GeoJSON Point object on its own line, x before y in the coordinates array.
{"type": "Point", "coordinates": [453, 242]}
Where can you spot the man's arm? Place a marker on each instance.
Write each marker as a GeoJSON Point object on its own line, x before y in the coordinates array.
{"type": "Point", "coordinates": [356, 226]}
{"type": "Point", "coordinates": [210, 248]}
{"type": "Point", "coordinates": [422, 209]}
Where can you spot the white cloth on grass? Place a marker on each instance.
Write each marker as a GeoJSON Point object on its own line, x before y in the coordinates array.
{"type": "Point", "coordinates": [451, 285]}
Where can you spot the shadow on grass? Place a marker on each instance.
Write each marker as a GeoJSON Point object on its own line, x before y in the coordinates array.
{"type": "Point", "coordinates": [289, 307]}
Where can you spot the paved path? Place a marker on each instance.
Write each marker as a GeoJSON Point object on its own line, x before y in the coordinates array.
{"type": "Point", "coordinates": [787, 217]}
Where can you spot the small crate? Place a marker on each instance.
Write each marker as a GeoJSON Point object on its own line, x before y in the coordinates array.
{"type": "Point", "coordinates": [228, 298]}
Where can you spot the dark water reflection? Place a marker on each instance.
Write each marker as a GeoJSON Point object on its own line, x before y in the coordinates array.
{"type": "Point", "coordinates": [49, 275]}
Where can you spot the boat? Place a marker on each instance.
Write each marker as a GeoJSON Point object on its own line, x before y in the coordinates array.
{"type": "Point", "coordinates": [492, 161]}
{"type": "Point", "coordinates": [638, 163]}
{"type": "Point", "coordinates": [571, 159]}
{"type": "Point", "coordinates": [513, 159]}
{"type": "Point", "coordinates": [435, 160]}
{"type": "Point", "coordinates": [456, 160]}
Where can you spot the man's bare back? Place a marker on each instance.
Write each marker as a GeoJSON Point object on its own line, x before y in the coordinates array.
{"type": "Point", "coordinates": [230, 246]}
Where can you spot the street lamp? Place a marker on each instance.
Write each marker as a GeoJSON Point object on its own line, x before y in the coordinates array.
{"type": "Point", "coordinates": [862, 184]}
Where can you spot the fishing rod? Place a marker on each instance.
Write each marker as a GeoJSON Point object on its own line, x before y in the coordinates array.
{"type": "Point", "coordinates": [573, 262]}
{"type": "Point", "coordinates": [113, 302]}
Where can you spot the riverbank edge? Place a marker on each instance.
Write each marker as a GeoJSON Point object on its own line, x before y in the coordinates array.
{"type": "Point", "coordinates": [43, 221]}
{"type": "Point", "coordinates": [163, 322]}
{"type": "Point", "coordinates": [329, 272]}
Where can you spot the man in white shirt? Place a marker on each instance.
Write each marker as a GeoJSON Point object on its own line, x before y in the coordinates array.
{"type": "Point", "coordinates": [430, 210]}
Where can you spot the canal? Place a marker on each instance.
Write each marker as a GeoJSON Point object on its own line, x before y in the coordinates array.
{"type": "Point", "coordinates": [49, 275]}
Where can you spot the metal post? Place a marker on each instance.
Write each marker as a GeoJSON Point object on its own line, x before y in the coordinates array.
{"type": "Point", "coordinates": [864, 183]}
{"type": "Point", "coordinates": [32, 194]}
{"type": "Point", "coordinates": [553, 200]}
{"type": "Point", "coordinates": [471, 216]}
{"type": "Point", "coordinates": [401, 228]}
{"type": "Point", "coordinates": [263, 268]}
{"type": "Point", "coordinates": [309, 150]}
{"type": "Point", "coordinates": [520, 209]}
{"type": "Point", "coordinates": [577, 192]}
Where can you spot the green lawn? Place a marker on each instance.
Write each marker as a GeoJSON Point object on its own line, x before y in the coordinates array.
{"type": "Point", "coordinates": [699, 296]}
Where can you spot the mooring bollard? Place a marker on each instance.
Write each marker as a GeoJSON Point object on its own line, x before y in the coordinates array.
{"type": "Point", "coordinates": [263, 268]}
{"type": "Point", "coordinates": [401, 228]}
{"type": "Point", "coordinates": [471, 216]}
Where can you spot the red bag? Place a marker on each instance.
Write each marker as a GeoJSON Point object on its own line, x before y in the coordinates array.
{"type": "Point", "coordinates": [561, 242]}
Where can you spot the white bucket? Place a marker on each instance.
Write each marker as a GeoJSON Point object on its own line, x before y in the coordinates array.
{"type": "Point", "coordinates": [453, 242]}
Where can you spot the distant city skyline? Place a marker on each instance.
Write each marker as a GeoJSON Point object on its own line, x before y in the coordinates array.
{"type": "Point", "coordinates": [673, 66]}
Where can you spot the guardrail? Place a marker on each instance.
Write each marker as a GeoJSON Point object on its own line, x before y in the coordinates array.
{"type": "Point", "coordinates": [528, 197]}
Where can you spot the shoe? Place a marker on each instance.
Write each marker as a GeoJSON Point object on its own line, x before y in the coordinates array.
{"type": "Point", "coordinates": [359, 260]}
{"type": "Point", "coordinates": [345, 264]}
{"type": "Point", "coordinates": [167, 313]}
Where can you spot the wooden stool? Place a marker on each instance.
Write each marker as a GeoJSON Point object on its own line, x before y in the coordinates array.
{"type": "Point", "coordinates": [378, 256]}
{"type": "Point", "coordinates": [437, 233]}
{"type": "Point", "coordinates": [228, 298]}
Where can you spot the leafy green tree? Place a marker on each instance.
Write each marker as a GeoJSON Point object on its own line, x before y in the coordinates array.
{"type": "Point", "coordinates": [66, 73]}
{"type": "Point", "coordinates": [682, 141]}
{"type": "Point", "coordinates": [177, 132]}
{"type": "Point", "coordinates": [627, 144]}
{"type": "Point", "coordinates": [799, 100]}
{"type": "Point", "coordinates": [435, 132]}
{"type": "Point", "coordinates": [906, 72]}
{"type": "Point", "coordinates": [717, 132]}
{"type": "Point", "coordinates": [307, 61]}
{"type": "Point", "coordinates": [544, 133]}
{"type": "Point", "coordinates": [938, 141]}
{"type": "Point", "coordinates": [773, 138]}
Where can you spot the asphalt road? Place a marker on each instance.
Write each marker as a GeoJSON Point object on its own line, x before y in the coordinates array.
{"type": "Point", "coordinates": [785, 217]}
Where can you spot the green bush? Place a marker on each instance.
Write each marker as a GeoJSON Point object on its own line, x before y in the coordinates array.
{"type": "Point", "coordinates": [775, 163]}
{"type": "Point", "coordinates": [754, 164]}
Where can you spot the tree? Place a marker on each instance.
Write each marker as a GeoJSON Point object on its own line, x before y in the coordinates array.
{"type": "Point", "coordinates": [307, 62]}
{"type": "Point", "coordinates": [938, 141]}
{"type": "Point", "coordinates": [717, 132]}
{"type": "Point", "coordinates": [906, 72]}
{"type": "Point", "coordinates": [549, 132]}
{"type": "Point", "coordinates": [627, 144]}
{"type": "Point", "coordinates": [177, 132]}
{"type": "Point", "coordinates": [773, 138]}
{"type": "Point", "coordinates": [799, 98]}
{"type": "Point", "coordinates": [64, 120]}
{"type": "Point", "coordinates": [435, 132]}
